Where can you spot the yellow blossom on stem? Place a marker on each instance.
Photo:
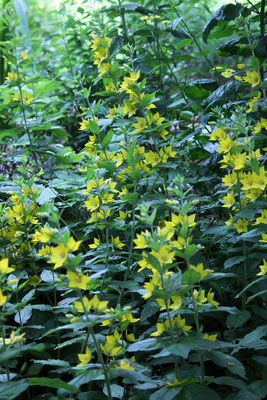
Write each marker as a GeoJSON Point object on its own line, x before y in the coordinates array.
{"type": "Point", "coordinates": [210, 337]}
{"type": "Point", "coordinates": [4, 268]}
{"type": "Point", "coordinates": [229, 200]}
{"type": "Point", "coordinates": [263, 268]}
{"type": "Point", "coordinates": [59, 255]}
{"type": "Point", "coordinates": [85, 358]}
{"type": "Point", "coordinates": [164, 256]}
{"type": "Point", "coordinates": [199, 297]}
{"type": "Point", "coordinates": [95, 244]}
{"type": "Point", "coordinates": [13, 339]}
{"type": "Point", "coordinates": [92, 203]}
{"type": "Point", "coordinates": [210, 297]}
{"type": "Point", "coordinates": [200, 269]}
{"type": "Point", "coordinates": [140, 125]}
{"type": "Point", "coordinates": [241, 226]}
{"type": "Point", "coordinates": [2, 298]}
{"type": "Point", "coordinates": [78, 280]}
{"type": "Point", "coordinates": [84, 124]}
{"type": "Point", "coordinates": [180, 323]}
{"type": "Point", "coordinates": [98, 305]}
{"type": "Point", "coordinates": [129, 108]}
{"type": "Point", "coordinates": [111, 348]}
{"type": "Point", "coordinates": [252, 78]}
{"type": "Point", "coordinates": [116, 242]}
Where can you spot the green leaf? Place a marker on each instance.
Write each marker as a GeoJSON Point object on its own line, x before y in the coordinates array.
{"type": "Point", "coordinates": [166, 393]}
{"type": "Point", "coordinates": [52, 383]}
{"type": "Point", "coordinates": [116, 391]}
{"type": "Point", "coordinates": [91, 395]}
{"type": "Point", "coordinates": [46, 195]}
{"type": "Point", "coordinates": [191, 276]}
{"type": "Point", "coordinates": [238, 319]}
{"type": "Point", "coordinates": [12, 390]}
{"type": "Point", "coordinates": [93, 126]}
{"type": "Point", "coordinates": [229, 381]}
{"type": "Point", "coordinates": [198, 392]}
{"type": "Point", "coordinates": [10, 132]}
{"type": "Point", "coordinates": [226, 361]}
{"type": "Point", "coordinates": [224, 94]}
{"type": "Point", "coordinates": [85, 377]}
{"type": "Point", "coordinates": [233, 261]}
{"type": "Point", "coordinates": [22, 316]}
{"type": "Point", "coordinates": [55, 363]}
{"type": "Point", "coordinates": [107, 138]}
{"type": "Point", "coordinates": [227, 13]}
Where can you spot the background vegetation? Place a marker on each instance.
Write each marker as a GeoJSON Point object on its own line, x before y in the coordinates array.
{"type": "Point", "coordinates": [133, 203]}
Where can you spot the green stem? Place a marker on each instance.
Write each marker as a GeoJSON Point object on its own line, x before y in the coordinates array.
{"type": "Point", "coordinates": [131, 248]}
{"type": "Point", "coordinates": [98, 351]}
{"type": "Point", "coordinates": [244, 271]}
{"type": "Point", "coordinates": [4, 347]}
{"type": "Point", "coordinates": [122, 12]}
{"type": "Point", "coordinates": [171, 327]}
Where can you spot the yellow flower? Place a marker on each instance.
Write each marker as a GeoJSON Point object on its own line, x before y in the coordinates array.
{"type": "Point", "coordinates": [252, 78]}
{"type": "Point", "coordinates": [78, 280]}
{"type": "Point", "coordinates": [260, 180]}
{"type": "Point", "coordinates": [163, 255]}
{"type": "Point", "coordinates": [210, 337]}
{"type": "Point", "coordinates": [180, 243]}
{"type": "Point", "coordinates": [241, 226]}
{"type": "Point", "coordinates": [124, 365]}
{"type": "Point", "coordinates": [262, 219]}
{"type": "Point", "coordinates": [116, 242]}
{"type": "Point", "coordinates": [263, 268]}
{"type": "Point", "coordinates": [98, 305]}
{"type": "Point", "coordinates": [80, 306]}
{"type": "Point", "coordinates": [230, 179]}
{"type": "Point", "coordinates": [46, 234]}
{"type": "Point", "coordinates": [130, 337]}
{"type": "Point", "coordinates": [85, 358]}
{"type": "Point", "coordinates": [92, 203]}
{"type": "Point", "coordinates": [230, 221]}
{"type": "Point", "coordinates": [229, 200]}
{"type": "Point", "coordinates": [72, 245]}
{"type": "Point", "coordinates": [140, 125]}
{"type": "Point", "coordinates": [58, 255]}
{"type": "Point", "coordinates": [129, 108]}
{"type": "Point", "coordinates": [2, 298]}
{"type": "Point", "coordinates": [27, 98]}
{"type": "Point", "coordinates": [228, 73]}
{"type": "Point", "coordinates": [152, 158]}
{"type": "Point", "coordinates": [240, 66]}
{"type": "Point", "coordinates": [180, 323]}
{"type": "Point", "coordinates": [95, 244]}
{"type": "Point", "coordinates": [111, 348]}
{"type": "Point", "coordinates": [142, 240]}
{"type": "Point", "coordinates": [13, 339]}
{"type": "Point", "coordinates": [45, 251]}
{"type": "Point", "coordinates": [199, 298]}
{"type": "Point", "coordinates": [84, 124]}
{"type": "Point", "coordinates": [157, 119]}
{"type": "Point", "coordinates": [210, 296]}
{"type": "Point", "coordinates": [24, 56]}
{"type": "Point", "coordinates": [263, 238]}
{"type": "Point", "coordinates": [4, 268]}
{"type": "Point", "coordinates": [225, 145]}
{"type": "Point", "coordinates": [200, 268]}
{"type": "Point", "coordinates": [239, 160]}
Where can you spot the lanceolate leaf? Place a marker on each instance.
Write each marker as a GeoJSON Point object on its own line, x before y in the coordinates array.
{"type": "Point", "coordinates": [227, 13]}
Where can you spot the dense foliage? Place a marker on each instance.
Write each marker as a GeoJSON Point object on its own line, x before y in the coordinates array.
{"type": "Point", "coordinates": [133, 204]}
